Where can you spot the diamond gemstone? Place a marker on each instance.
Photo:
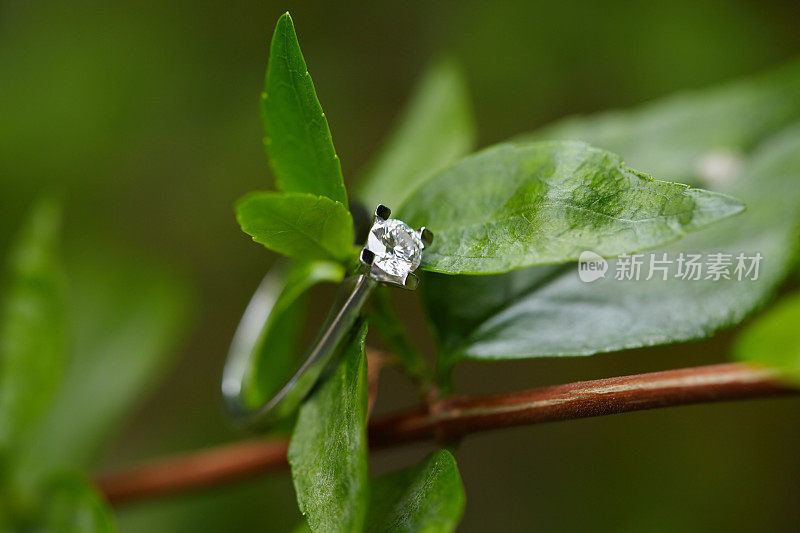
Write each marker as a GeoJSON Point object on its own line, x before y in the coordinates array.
{"type": "Point", "coordinates": [397, 248]}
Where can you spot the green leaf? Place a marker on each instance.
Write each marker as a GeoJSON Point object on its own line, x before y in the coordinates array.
{"type": "Point", "coordinates": [548, 307]}
{"type": "Point", "coordinates": [684, 134]}
{"type": "Point", "coordinates": [773, 340]}
{"type": "Point", "coordinates": [73, 506]}
{"type": "Point", "coordinates": [328, 449]}
{"type": "Point", "coordinates": [278, 343]}
{"type": "Point", "coordinates": [461, 307]}
{"type": "Point", "coordinates": [33, 334]}
{"type": "Point", "coordinates": [428, 497]}
{"type": "Point", "coordinates": [298, 139]}
{"type": "Point", "coordinates": [513, 206]}
{"type": "Point", "coordinates": [299, 225]}
{"type": "Point", "coordinates": [547, 311]}
{"type": "Point", "coordinates": [435, 130]}
{"type": "Point", "coordinates": [127, 314]}
{"type": "Point", "coordinates": [302, 527]}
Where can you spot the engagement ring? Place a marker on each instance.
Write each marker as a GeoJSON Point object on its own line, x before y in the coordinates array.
{"type": "Point", "coordinates": [392, 253]}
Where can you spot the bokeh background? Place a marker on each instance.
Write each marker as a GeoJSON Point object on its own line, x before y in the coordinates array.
{"type": "Point", "coordinates": [144, 116]}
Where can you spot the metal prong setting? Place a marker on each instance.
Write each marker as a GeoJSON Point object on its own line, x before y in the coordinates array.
{"type": "Point", "coordinates": [367, 257]}
{"type": "Point", "coordinates": [426, 236]}
{"type": "Point", "coordinates": [411, 282]}
{"type": "Point", "coordinates": [382, 212]}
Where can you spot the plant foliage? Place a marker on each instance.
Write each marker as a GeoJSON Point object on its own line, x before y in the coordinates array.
{"type": "Point", "coordinates": [509, 221]}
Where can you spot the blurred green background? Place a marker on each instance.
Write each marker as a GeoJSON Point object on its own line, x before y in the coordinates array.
{"type": "Point", "coordinates": [144, 116]}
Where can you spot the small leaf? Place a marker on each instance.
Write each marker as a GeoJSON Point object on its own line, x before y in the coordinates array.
{"type": "Point", "coordinates": [277, 345]}
{"type": "Point", "coordinates": [428, 497]}
{"type": "Point", "coordinates": [328, 449]}
{"type": "Point", "coordinates": [299, 225]}
{"type": "Point", "coordinates": [774, 339]}
{"type": "Point", "coordinates": [435, 130]}
{"type": "Point", "coordinates": [298, 139]}
{"type": "Point", "coordinates": [72, 505]}
{"type": "Point", "coordinates": [548, 311]}
{"type": "Point", "coordinates": [513, 206]}
{"type": "Point", "coordinates": [127, 314]}
{"type": "Point", "coordinates": [33, 334]}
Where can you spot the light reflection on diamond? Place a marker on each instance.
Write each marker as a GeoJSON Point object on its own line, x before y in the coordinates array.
{"type": "Point", "coordinates": [397, 248]}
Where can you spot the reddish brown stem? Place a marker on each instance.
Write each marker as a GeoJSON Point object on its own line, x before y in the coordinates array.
{"type": "Point", "coordinates": [376, 360]}
{"type": "Point", "coordinates": [455, 417]}
{"type": "Point", "coordinates": [194, 470]}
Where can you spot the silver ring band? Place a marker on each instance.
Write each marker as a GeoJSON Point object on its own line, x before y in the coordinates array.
{"type": "Point", "coordinates": [350, 299]}
{"type": "Point", "coordinates": [352, 294]}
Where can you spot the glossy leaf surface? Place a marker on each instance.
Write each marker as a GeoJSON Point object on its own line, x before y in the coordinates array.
{"type": "Point", "coordinates": [428, 497]}
{"type": "Point", "coordinates": [513, 206]}
{"type": "Point", "coordinates": [328, 449]}
{"type": "Point", "coordinates": [298, 139]}
{"type": "Point", "coordinates": [298, 225]}
{"type": "Point", "coordinates": [548, 311]}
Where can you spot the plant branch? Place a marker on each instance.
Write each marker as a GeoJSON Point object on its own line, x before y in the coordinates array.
{"type": "Point", "coordinates": [455, 417]}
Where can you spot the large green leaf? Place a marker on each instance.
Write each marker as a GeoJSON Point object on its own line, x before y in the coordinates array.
{"type": "Point", "coordinates": [276, 350]}
{"type": "Point", "coordinates": [774, 339]}
{"type": "Point", "coordinates": [328, 449]}
{"type": "Point", "coordinates": [547, 311]}
{"type": "Point", "coordinates": [428, 497]}
{"type": "Point", "coordinates": [513, 206]}
{"type": "Point", "coordinates": [682, 136]}
{"type": "Point", "coordinates": [126, 314]}
{"type": "Point", "coordinates": [33, 333]}
{"type": "Point", "coordinates": [298, 139]}
{"type": "Point", "coordinates": [299, 225]}
{"type": "Point", "coordinates": [73, 506]}
{"type": "Point", "coordinates": [551, 312]}
{"type": "Point", "coordinates": [458, 306]}
{"type": "Point", "coordinates": [435, 129]}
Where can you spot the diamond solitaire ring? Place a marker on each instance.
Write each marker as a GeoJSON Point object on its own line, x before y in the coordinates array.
{"type": "Point", "coordinates": [392, 253]}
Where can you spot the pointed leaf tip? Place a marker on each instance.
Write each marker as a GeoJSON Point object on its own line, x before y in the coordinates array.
{"type": "Point", "coordinates": [300, 151]}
